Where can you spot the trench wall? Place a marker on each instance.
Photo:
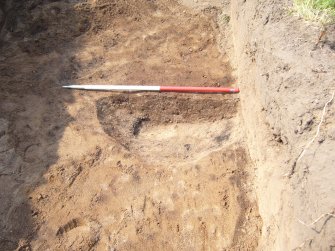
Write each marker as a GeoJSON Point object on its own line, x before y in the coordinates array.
{"type": "Point", "coordinates": [286, 77]}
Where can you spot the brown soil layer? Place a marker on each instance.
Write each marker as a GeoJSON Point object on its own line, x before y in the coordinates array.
{"type": "Point", "coordinates": [98, 171]}
{"type": "Point", "coordinates": [125, 115]}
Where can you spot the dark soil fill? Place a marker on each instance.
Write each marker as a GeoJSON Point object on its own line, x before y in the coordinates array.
{"type": "Point", "coordinates": [128, 113]}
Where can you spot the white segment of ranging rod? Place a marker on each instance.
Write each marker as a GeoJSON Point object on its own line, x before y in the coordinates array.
{"type": "Point", "coordinates": [129, 88]}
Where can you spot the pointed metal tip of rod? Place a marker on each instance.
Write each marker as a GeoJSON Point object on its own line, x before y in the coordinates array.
{"type": "Point", "coordinates": [68, 86]}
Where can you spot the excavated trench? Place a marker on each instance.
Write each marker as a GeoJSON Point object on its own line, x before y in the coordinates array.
{"type": "Point", "coordinates": [100, 171]}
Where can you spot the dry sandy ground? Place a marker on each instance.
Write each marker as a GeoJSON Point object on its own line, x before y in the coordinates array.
{"type": "Point", "coordinates": [286, 76]}
{"type": "Point", "coordinates": [99, 171]}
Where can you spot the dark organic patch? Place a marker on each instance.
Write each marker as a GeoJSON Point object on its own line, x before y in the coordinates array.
{"type": "Point", "coordinates": [221, 138]}
{"type": "Point", "coordinates": [123, 116]}
{"type": "Point", "coordinates": [331, 45]}
{"type": "Point", "coordinates": [138, 123]}
{"type": "Point", "coordinates": [69, 226]}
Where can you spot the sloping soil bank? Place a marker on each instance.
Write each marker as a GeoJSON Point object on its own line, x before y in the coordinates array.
{"type": "Point", "coordinates": [100, 171]}
{"type": "Point", "coordinates": [286, 74]}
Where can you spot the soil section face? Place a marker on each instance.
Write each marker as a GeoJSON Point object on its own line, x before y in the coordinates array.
{"type": "Point", "coordinates": [286, 75]}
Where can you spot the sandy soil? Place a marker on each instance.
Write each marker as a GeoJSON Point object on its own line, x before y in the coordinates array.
{"type": "Point", "coordinates": [286, 76]}
{"type": "Point", "coordinates": [99, 171]}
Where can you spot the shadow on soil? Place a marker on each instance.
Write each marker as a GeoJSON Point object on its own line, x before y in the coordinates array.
{"type": "Point", "coordinates": [36, 47]}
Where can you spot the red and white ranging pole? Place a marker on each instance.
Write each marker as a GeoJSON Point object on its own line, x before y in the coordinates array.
{"type": "Point", "coordinates": [140, 88]}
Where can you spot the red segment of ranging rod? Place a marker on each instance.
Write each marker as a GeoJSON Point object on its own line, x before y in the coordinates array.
{"type": "Point", "coordinates": [198, 89]}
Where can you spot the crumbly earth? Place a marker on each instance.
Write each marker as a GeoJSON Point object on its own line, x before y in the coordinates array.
{"type": "Point", "coordinates": [100, 171]}
{"type": "Point", "coordinates": [285, 68]}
